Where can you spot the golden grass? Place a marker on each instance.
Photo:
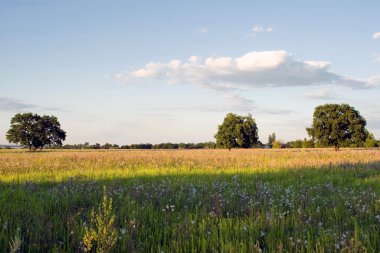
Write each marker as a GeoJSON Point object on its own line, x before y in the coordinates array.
{"type": "Point", "coordinates": [56, 165]}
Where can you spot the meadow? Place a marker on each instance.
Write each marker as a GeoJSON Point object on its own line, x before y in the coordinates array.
{"type": "Point", "coordinates": [290, 200]}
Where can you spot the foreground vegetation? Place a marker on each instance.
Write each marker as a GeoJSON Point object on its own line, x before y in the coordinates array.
{"type": "Point", "coordinates": [190, 201]}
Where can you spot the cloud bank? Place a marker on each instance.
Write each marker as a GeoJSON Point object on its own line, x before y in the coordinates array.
{"type": "Point", "coordinates": [256, 69]}
{"type": "Point", "coordinates": [376, 35]}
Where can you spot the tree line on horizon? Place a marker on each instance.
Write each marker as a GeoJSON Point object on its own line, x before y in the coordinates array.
{"type": "Point", "coordinates": [334, 125]}
{"type": "Point", "coordinates": [166, 145]}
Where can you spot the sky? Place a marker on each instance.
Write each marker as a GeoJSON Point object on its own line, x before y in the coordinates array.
{"type": "Point", "coordinates": [169, 71]}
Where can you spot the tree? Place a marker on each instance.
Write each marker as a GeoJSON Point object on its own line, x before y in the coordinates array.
{"type": "Point", "coordinates": [271, 139]}
{"type": "Point", "coordinates": [237, 132]}
{"type": "Point", "coordinates": [337, 125]}
{"type": "Point", "coordinates": [276, 144]}
{"type": "Point", "coordinates": [308, 143]}
{"type": "Point", "coordinates": [34, 131]}
{"type": "Point", "coordinates": [370, 142]}
{"type": "Point", "coordinates": [294, 144]}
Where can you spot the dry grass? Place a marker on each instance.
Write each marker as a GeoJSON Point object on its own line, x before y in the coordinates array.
{"type": "Point", "coordinates": [14, 164]}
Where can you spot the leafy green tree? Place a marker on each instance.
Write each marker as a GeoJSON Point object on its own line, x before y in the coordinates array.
{"type": "Point", "coordinates": [51, 133]}
{"type": "Point", "coordinates": [307, 143]}
{"type": "Point", "coordinates": [210, 145]}
{"type": "Point", "coordinates": [237, 132]}
{"type": "Point", "coordinates": [276, 144]}
{"type": "Point", "coordinates": [338, 125]}
{"type": "Point", "coordinates": [370, 142]}
{"type": "Point", "coordinates": [294, 144]}
{"type": "Point", "coordinates": [34, 131]}
{"type": "Point", "coordinates": [107, 146]}
{"type": "Point", "coordinates": [271, 139]}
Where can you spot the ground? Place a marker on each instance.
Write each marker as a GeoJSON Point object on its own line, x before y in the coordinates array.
{"type": "Point", "coordinates": [291, 200]}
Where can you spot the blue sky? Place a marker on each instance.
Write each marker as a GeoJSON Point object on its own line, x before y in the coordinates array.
{"type": "Point", "coordinates": [157, 71]}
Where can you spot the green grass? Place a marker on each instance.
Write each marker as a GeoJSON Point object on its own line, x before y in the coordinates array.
{"type": "Point", "coordinates": [166, 202]}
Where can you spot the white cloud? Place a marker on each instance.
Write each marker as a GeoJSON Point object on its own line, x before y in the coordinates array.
{"type": "Point", "coordinates": [252, 70]}
{"type": "Point", "coordinates": [193, 59]}
{"type": "Point", "coordinates": [376, 35]}
{"type": "Point", "coordinates": [260, 29]}
{"type": "Point", "coordinates": [318, 64]}
{"type": "Point", "coordinates": [320, 94]}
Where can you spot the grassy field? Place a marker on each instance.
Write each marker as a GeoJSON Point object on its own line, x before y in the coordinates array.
{"type": "Point", "coordinates": [190, 201]}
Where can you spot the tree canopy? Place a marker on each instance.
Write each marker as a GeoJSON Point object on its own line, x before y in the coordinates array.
{"type": "Point", "coordinates": [35, 131]}
{"type": "Point", "coordinates": [338, 125]}
{"type": "Point", "coordinates": [271, 139]}
{"type": "Point", "coordinates": [237, 132]}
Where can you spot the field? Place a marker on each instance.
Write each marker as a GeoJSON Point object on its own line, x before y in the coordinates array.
{"type": "Point", "coordinates": [301, 200]}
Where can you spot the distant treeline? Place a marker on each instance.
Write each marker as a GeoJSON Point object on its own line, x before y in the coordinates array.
{"type": "Point", "coordinates": [369, 143]}
{"type": "Point", "coordinates": [306, 143]}
{"type": "Point", "coordinates": [168, 145]}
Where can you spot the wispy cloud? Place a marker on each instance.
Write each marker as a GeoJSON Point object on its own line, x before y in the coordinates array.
{"type": "Point", "coordinates": [376, 35]}
{"type": "Point", "coordinates": [226, 103]}
{"type": "Point", "coordinates": [203, 30]}
{"type": "Point", "coordinates": [274, 111]}
{"type": "Point", "coordinates": [260, 29]}
{"type": "Point", "coordinates": [15, 105]}
{"type": "Point", "coordinates": [157, 115]}
{"type": "Point", "coordinates": [53, 109]}
{"type": "Point", "coordinates": [320, 94]}
{"type": "Point", "coordinates": [256, 69]}
{"type": "Point", "coordinates": [11, 104]}
{"type": "Point", "coordinates": [376, 58]}
{"type": "Point", "coordinates": [233, 103]}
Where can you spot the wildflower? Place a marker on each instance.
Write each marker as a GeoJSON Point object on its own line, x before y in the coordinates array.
{"type": "Point", "coordinates": [212, 214]}
{"type": "Point", "coordinates": [122, 231]}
